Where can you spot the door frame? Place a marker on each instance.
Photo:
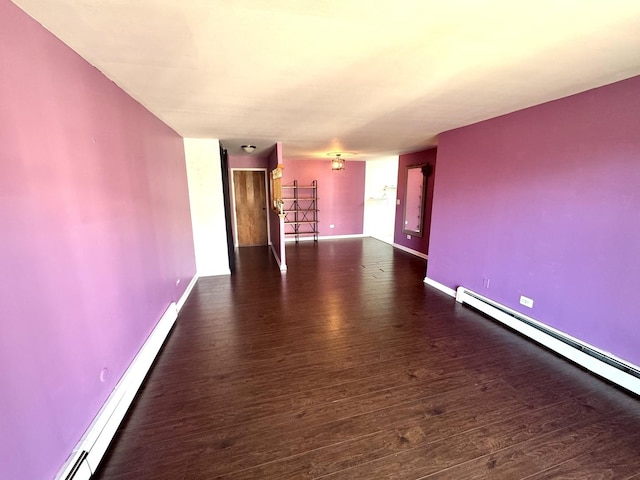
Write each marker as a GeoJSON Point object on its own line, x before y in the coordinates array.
{"type": "Point", "coordinates": [233, 202]}
{"type": "Point", "coordinates": [224, 167]}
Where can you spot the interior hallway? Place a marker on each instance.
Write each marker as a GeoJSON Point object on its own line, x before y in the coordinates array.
{"type": "Point", "coordinates": [348, 366]}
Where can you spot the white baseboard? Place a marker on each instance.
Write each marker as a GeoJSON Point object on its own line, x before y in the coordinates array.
{"type": "Point", "coordinates": [410, 250]}
{"type": "Point", "coordinates": [89, 451]}
{"type": "Point", "coordinates": [213, 273]}
{"type": "Point", "coordinates": [592, 358]}
{"type": "Point", "coordinates": [301, 239]}
{"type": "Point", "coordinates": [283, 267]}
{"type": "Point", "coordinates": [443, 288]}
{"type": "Point", "coordinates": [389, 242]}
{"type": "Point", "coordinates": [338, 237]}
{"type": "Point", "coordinates": [187, 292]}
{"type": "Point", "coordinates": [326, 237]}
{"type": "Point", "coordinates": [75, 468]}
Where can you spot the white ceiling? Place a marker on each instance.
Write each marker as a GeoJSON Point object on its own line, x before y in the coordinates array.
{"type": "Point", "coordinates": [371, 77]}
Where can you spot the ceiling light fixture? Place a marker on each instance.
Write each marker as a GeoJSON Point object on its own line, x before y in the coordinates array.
{"type": "Point", "coordinates": [248, 148]}
{"type": "Point", "coordinates": [337, 162]}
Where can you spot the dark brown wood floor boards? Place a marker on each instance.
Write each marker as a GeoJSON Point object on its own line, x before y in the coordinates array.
{"type": "Point", "coordinates": [349, 366]}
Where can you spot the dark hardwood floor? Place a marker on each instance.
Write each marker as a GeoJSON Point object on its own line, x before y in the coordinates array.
{"type": "Point", "coordinates": [349, 367]}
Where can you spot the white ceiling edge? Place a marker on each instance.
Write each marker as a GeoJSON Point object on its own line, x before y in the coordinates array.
{"type": "Point", "coordinates": [344, 75]}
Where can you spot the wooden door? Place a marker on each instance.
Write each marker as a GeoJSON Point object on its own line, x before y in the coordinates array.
{"type": "Point", "coordinates": [251, 207]}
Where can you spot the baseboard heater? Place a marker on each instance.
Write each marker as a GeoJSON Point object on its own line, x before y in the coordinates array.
{"type": "Point", "coordinates": [87, 455]}
{"type": "Point", "coordinates": [593, 359]}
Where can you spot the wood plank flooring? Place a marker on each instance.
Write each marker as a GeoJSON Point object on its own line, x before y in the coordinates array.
{"type": "Point", "coordinates": [350, 367]}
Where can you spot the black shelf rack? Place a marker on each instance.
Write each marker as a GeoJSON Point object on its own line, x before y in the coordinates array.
{"type": "Point", "coordinates": [300, 210]}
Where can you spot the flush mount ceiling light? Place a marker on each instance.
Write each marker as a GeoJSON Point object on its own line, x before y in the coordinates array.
{"type": "Point", "coordinates": [337, 162]}
{"type": "Point", "coordinates": [248, 148]}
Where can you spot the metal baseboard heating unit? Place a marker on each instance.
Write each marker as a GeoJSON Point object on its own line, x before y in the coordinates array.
{"type": "Point", "coordinates": [87, 455]}
{"type": "Point", "coordinates": [593, 359]}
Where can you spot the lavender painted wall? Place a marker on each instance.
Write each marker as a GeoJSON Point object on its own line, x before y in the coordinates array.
{"type": "Point", "coordinates": [96, 231]}
{"type": "Point", "coordinates": [419, 244]}
{"type": "Point", "coordinates": [248, 161]}
{"type": "Point", "coordinates": [340, 194]}
{"type": "Point", "coordinates": [544, 202]}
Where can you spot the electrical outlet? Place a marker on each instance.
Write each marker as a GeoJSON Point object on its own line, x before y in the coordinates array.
{"type": "Point", "coordinates": [397, 201]}
{"type": "Point", "coordinates": [526, 301]}
{"type": "Point", "coordinates": [332, 226]}
{"type": "Point", "coordinates": [485, 282]}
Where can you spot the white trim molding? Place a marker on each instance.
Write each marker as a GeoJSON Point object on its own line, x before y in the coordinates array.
{"type": "Point", "coordinates": [443, 288]}
{"type": "Point", "coordinates": [338, 237]}
{"type": "Point", "coordinates": [327, 237]}
{"type": "Point", "coordinates": [85, 458]}
{"type": "Point", "coordinates": [217, 273]}
{"type": "Point", "coordinates": [180, 303]}
{"type": "Point", "coordinates": [601, 363]}
{"type": "Point", "coordinates": [282, 266]}
{"type": "Point", "coordinates": [410, 250]}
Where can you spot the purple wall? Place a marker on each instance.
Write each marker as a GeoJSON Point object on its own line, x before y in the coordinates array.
{"type": "Point", "coordinates": [248, 161]}
{"type": "Point", "coordinates": [419, 244]}
{"type": "Point", "coordinates": [274, 219]}
{"type": "Point", "coordinates": [544, 202]}
{"type": "Point", "coordinates": [96, 231]}
{"type": "Point", "coordinates": [340, 193]}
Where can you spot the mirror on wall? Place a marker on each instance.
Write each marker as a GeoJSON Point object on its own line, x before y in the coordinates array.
{"type": "Point", "coordinates": [414, 196]}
